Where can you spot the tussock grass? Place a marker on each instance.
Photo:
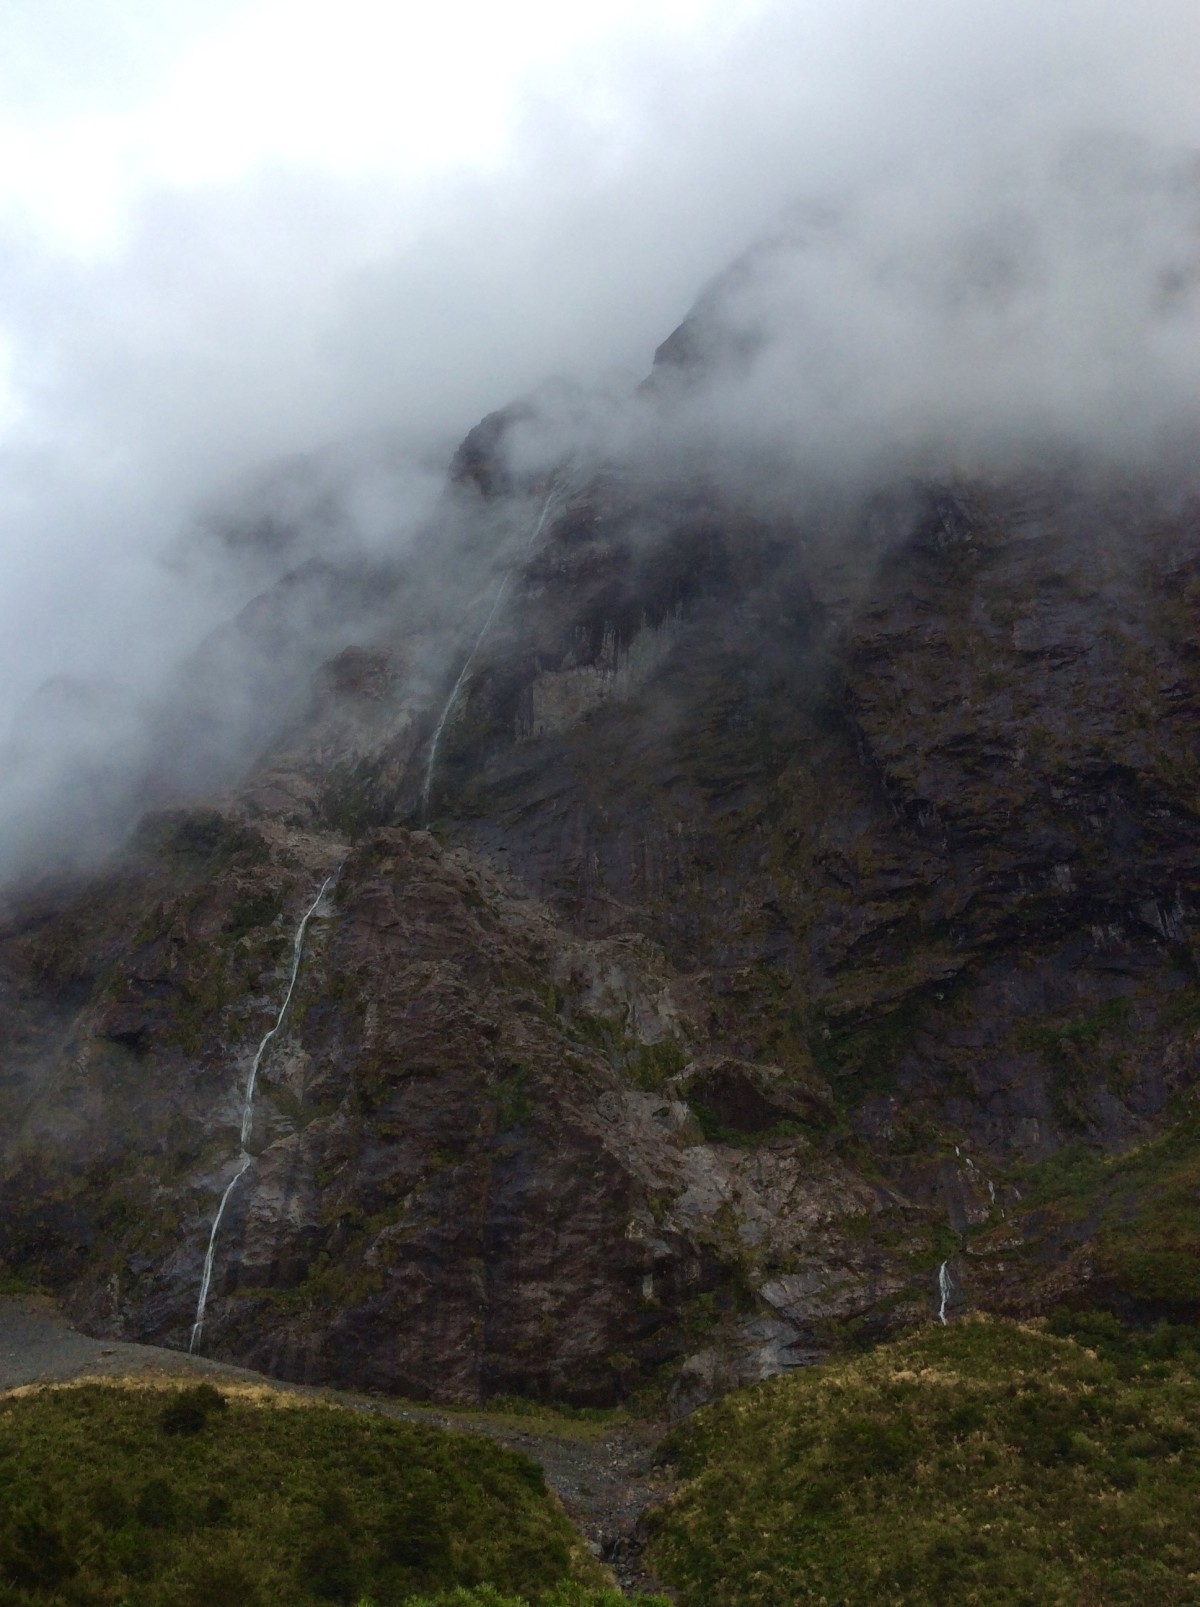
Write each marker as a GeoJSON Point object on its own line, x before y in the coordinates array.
{"type": "Point", "coordinates": [986, 1463]}
{"type": "Point", "coordinates": [145, 1494]}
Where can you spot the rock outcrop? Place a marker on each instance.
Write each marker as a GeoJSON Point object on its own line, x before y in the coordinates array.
{"type": "Point", "coordinates": [799, 892]}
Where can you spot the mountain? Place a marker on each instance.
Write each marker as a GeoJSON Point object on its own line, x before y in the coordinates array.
{"type": "Point", "coordinates": [752, 924]}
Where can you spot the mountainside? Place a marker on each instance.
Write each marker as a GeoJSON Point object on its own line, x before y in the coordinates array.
{"type": "Point", "coordinates": [771, 925]}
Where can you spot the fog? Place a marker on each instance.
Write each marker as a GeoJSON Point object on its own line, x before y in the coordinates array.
{"type": "Point", "coordinates": [262, 268]}
{"type": "Point", "coordinates": [1031, 307]}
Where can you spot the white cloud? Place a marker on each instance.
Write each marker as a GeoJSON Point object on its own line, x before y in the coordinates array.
{"type": "Point", "coordinates": [237, 229]}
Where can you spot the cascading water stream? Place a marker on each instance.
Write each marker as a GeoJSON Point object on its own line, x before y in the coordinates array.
{"type": "Point", "coordinates": [986, 1181]}
{"type": "Point", "coordinates": [553, 499]}
{"type": "Point", "coordinates": [244, 1157]}
{"type": "Point", "coordinates": [944, 1289]}
{"type": "Point", "coordinates": [210, 1253]}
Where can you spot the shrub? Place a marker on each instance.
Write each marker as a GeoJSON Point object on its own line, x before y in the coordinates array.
{"type": "Point", "coordinates": [33, 1554]}
{"type": "Point", "coordinates": [156, 1505]}
{"type": "Point", "coordinates": [188, 1410]}
{"type": "Point", "coordinates": [220, 1582]}
{"type": "Point", "coordinates": [983, 1462]}
{"type": "Point", "coordinates": [312, 1504]}
{"type": "Point", "coordinates": [329, 1567]}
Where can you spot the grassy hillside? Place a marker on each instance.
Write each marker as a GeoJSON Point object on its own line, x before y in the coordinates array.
{"type": "Point", "coordinates": [983, 1463]}
{"type": "Point", "coordinates": [1139, 1214]}
{"type": "Point", "coordinates": [140, 1497]}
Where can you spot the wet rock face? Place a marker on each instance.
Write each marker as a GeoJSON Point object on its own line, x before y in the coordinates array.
{"type": "Point", "coordinates": [453, 1192]}
{"type": "Point", "coordinates": [918, 808]}
{"type": "Point", "coordinates": [475, 1167]}
{"type": "Point", "coordinates": [799, 888]}
{"type": "Point", "coordinates": [963, 776]}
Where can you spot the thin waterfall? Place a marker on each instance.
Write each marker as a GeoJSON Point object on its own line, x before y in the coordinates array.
{"type": "Point", "coordinates": [210, 1253]}
{"type": "Point", "coordinates": [553, 497]}
{"type": "Point", "coordinates": [297, 950]}
{"type": "Point", "coordinates": [244, 1156]}
{"type": "Point", "coordinates": [986, 1181]}
{"type": "Point", "coordinates": [944, 1288]}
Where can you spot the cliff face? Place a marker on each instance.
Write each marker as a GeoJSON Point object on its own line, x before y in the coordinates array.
{"type": "Point", "coordinates": [800, 902]}
{"type": "Point", "coordinates": [910, 793]}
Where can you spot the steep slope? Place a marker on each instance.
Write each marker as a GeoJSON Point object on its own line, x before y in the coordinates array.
{"type": "Point", "coordinates": [749, 917]}
{"type": "Point", "coordinates": [922, 817]}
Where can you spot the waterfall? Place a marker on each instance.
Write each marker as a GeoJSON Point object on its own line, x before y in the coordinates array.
{"type": "Point", "coordinates": [553, 498]}
{"type": "Point", "coordinates": [244, 1157]}
{"type": "Point", "coordinates": [206, 1277]}
{"type": "Point", "coordinates": [986, 1181]}
{"type": "Point", "coordinates": [944, 1288]}
{"type": "Point", "coordinates": [297, 950]}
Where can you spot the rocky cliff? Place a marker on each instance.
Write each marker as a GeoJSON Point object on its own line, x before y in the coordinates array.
{"type": "Point", "coordinates": [799, 900]}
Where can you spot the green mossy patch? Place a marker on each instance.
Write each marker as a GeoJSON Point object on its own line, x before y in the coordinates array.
{"type": "Point", "coordinates": [253, 908]}
{"type": "Point", "coordinates": [198, 836]}
{"type": "Point", "coordinates": [648, 1066]}
{"type": "Point", "coordinates": [983, 1462]}
{"type": "Point", "coordinates": [353, 797]}
{"type": "Point", "coordinates": [652, 1065]}
{"type": "Point", "coordinates": [1150, 1242]}
{"type": "Point", "coordinates": [1072, 1043]}
{"type": "Point", "coordinates": [13, 1282]}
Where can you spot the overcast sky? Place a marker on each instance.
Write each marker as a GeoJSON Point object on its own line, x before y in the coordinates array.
{"type": "Point", "coordinates": [234, 229]}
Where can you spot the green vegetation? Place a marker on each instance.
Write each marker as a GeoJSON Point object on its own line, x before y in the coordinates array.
{"type": "Point", "coordinates": [514, 1104]}
{"type": "Point", "coordinates": [351, 798]}
{"type": "Point", "coordinates": [557, 1419]}
{"type": "Point", "coordinates": [716, 1131]}
{"type": "Point", "coordinates": [560, 1596]}
{"type": "Point", "coordinates": [651, 1065]}
{"type": "Point", "coordinates": [1079, 1053]}
{"type": "Point", "coordinates": [1150, 1240]}
{"type": "Point", "coordinates": [253, 908]}
{"type": "Point", "coordinates": [1066, 1044]}
{"type": "Point", "coordinates": [983, 1462]}
{"type": "Point", "coordinates": [1130, 1349]}
{"type": "Point", "coordinates": [134, 1497]}
{"type": "Point", "coordinates": [869, 1051]}
{"type": "Point", "coordinates": [1141, 1212]}
{"type": "Point", "coordinates": [648, 1066]}
{"type": "Point", "coordinates": [199, 836]}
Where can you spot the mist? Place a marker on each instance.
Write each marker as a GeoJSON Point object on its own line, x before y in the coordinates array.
{"type": "Point", "coordinates": [261, 271]}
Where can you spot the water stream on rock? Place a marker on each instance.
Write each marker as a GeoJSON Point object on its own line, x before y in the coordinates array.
{"type": "Point", "coordinates": [554, 497]}
{"type": "Point", "coordinates": [244, 1157]}
{"type": "Point", "coordinates": [944, 1288]}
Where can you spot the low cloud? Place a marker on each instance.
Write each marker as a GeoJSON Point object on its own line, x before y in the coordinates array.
{"type": "Point", "coordinates": [980, 228]}
{"type": "Point", "coordinates": [1040, 307]}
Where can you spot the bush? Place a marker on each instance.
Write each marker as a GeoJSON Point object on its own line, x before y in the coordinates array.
{"type": "Point", "coordinates": [156, 1505]}
{"type": "Point", "coordinates": [983, 1462]}
{"type": "Point", "coordinates": [33, 1554]}
{"type": "Point", "coordinates": [189, 1410]}
{"type": "Point", "coordinates": [218, 1509]}
{"type": "Point", "coordinates": [308, 1504]}
{"type": "Point", "coordinates": [220, 1582]}
{"type": "Point", "coordinates": [329, 1567]}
